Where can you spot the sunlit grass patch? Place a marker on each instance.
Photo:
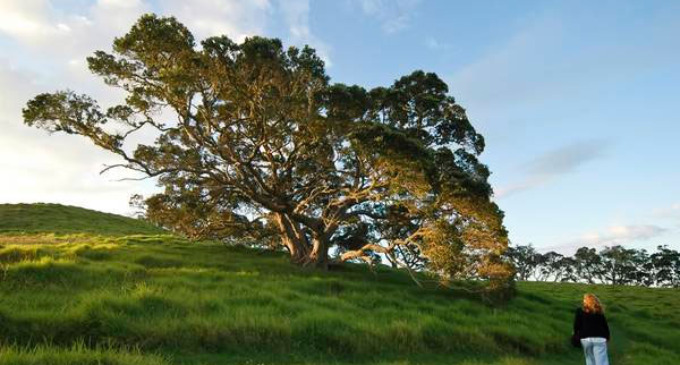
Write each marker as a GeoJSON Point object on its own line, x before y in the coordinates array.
{"type": "Point", "coordinates": [16, 253]}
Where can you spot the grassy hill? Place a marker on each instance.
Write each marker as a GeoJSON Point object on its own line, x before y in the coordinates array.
{"type": "Point", "coordinates": [103, 289]}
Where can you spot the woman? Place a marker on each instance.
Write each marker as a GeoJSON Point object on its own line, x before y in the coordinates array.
{"type": "Point", "coordinates": [591, 327]}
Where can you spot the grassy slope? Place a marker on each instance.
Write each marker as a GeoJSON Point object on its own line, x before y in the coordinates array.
{"type": "Point", "coordinates": [114, 298]}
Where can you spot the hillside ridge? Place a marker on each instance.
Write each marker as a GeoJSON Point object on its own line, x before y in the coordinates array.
{"type": "Point", "coordinates": [67, 219]}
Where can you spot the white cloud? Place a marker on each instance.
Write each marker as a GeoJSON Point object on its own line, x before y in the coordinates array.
{"type": "Point", "coordinates": [29, 20]}
{"type": "Point", "coordinates": [620, 234]}
{"type": "Point", "coordinates": [205, 18]}
{"type": "Point", "coordinates": [526, 184]}
{"type": "Point", "coordinates": [393, 15]}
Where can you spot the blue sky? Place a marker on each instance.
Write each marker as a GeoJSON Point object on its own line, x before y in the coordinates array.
{"type": "Point", "coordinates": [577, 99]}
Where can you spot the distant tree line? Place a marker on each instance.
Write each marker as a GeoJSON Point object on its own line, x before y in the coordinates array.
{"type": "Point", "coordinates": [614, 265]}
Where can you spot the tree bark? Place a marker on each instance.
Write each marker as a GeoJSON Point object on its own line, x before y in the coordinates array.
{"type": "Point", "coordinates": [302, 252]}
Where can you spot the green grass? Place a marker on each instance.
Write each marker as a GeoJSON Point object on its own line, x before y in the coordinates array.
{"type": "Point", "coordinates": [110, 297]}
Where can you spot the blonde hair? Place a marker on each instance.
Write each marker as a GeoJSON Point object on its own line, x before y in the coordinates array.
{"type": "Point", "coordinates": [591, 304]}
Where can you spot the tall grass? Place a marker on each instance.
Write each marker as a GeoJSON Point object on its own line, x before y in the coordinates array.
{"type": "Point", "coordinates": [92, 299]}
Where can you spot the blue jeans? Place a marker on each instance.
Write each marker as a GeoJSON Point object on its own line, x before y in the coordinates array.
{"type": "Point", "coordinates": [595, 349]}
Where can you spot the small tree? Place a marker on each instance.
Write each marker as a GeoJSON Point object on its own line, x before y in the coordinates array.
{"type": "Point", "coordinates": [664, 267]}
{"type": "Point", "coordinates": [618, 265]}
{"type": "Point", "coordinates": [265, 147]}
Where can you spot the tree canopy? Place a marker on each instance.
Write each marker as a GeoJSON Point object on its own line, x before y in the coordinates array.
{"type": "Point", "coordinates": [266, 150]}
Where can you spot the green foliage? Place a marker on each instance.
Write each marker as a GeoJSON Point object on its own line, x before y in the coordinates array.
{"type": "Point", "coordinates": [158, 299]}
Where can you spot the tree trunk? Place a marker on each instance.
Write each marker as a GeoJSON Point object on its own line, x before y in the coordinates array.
{"type": "Point", "coordinates": [302, 252]}
{"type": "Point", "coordinates": [318, 257]}
{"type": "Point", "coordinates": [292, 238]}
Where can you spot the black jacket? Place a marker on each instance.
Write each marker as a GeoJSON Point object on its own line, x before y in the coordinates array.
{"type": "Point", "coordinates": [590, 325]}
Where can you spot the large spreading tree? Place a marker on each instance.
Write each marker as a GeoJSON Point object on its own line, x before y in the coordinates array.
{"type": "Point", "coordinates": [264, 149]}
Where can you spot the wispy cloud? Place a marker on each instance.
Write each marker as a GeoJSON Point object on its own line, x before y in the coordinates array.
{"type": "Point", "coordinates": [393, 15]}
{"type": "Point", "coordinates": [434, 44]}
{"type": "Point", "coordinates": [554, 164]}
{"type": "Point", "coordinates": [620, 234]}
